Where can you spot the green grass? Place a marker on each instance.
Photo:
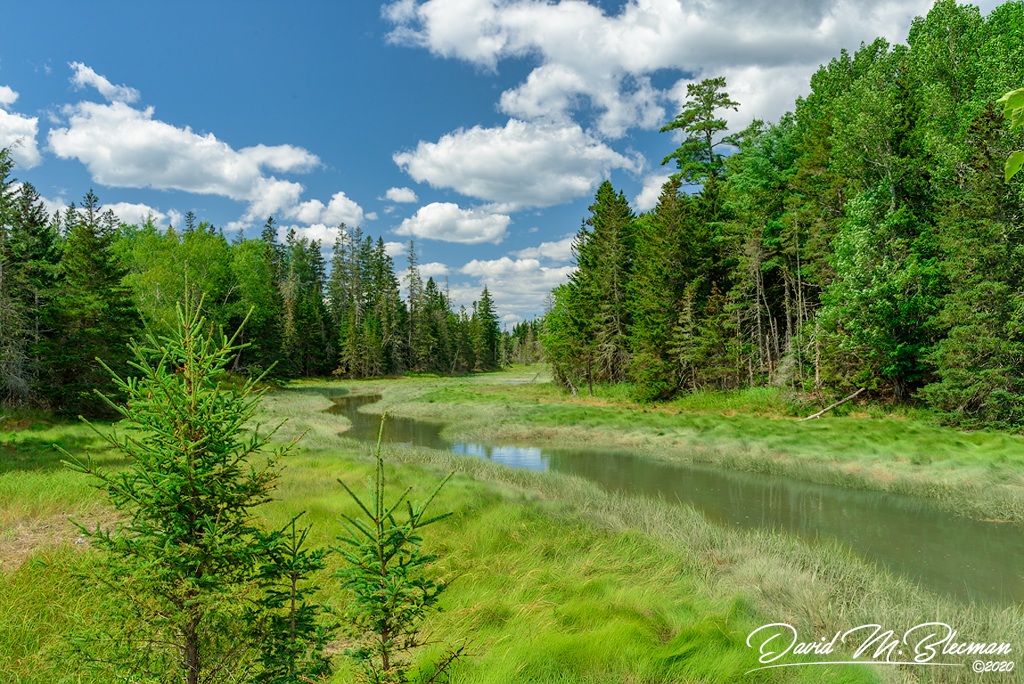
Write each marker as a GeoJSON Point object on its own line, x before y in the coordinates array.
{"type": "Point", "coordinates": [554, 579]}
{"type": "Point", "coordinates": [975, 474]}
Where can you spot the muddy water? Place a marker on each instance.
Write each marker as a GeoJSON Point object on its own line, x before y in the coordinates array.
{"type": "Point", "coordinates": [967, 559]}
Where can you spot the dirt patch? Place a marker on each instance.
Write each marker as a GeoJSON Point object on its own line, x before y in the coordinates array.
{"type": "Point", "coordinates": [23, 538]}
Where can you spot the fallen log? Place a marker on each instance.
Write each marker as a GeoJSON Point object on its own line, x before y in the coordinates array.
{"type": "Point", "coordinates": [822, 412]}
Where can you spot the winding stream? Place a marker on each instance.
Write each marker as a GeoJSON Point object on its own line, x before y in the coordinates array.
{"type": "Point", "coordinates": [970, 560]}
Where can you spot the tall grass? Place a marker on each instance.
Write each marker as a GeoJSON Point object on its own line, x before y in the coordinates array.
{"type": "Point", "coordinates": [553, 579]}
{"type": "Point", "coordinates": [978, 475]}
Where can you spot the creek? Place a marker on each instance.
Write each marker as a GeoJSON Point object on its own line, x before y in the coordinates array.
{"type": "Point", "coordinates": [967, 559]}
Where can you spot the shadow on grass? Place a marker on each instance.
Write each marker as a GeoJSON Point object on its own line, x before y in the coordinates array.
{"type": "Point", "coordinates": [38, 453]}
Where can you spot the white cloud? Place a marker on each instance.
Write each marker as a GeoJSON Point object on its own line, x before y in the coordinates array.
{"type": "Point", "coordinates": [7, 96]}
{"type": "Point", "coordinates": [401, 195]}
{"type": "Point", "coordinates": [434, 270]}
{"type": "Point", "coordinates": [517, 286]}
{"type": "Point", "coordinates": [522, 164]}
{"type": "Point", "coordinates": [340, 209]}
{"type": "Point", "coordinates": [448, 222]}
{"type": "Point", "coordinates": [126, 147]}
{"type": "Point", "coordinates": [85, 76]}
{"type": "Point", "coordinates": [647, 199]}
{"type": "Point", "coordinates": [556, 251]}
{"type": "Point", "coordinates": [138, 213]}
{"type": "Point", "coordinates": [18, 132]}
{"type": "Point", "coordinates": [395, 249]}
{"type": "Point", "coordinates": [318, 231]}
{"type": "Point", "coordinates": [588, 57]}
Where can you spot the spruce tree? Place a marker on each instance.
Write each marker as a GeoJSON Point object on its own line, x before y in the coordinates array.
{"type": "Point", "coordinates": [34, 281]}
{"type": "Point", "coordinates": [610, 251]}
{"type": "Point", "coordinates": [188, 551]}
{"type": "Point", "coordinates": [97, 315]}
{"type": "Point", "coordinates": [488, 333]}
{"type": "Point", "coordinates": [14, 372]}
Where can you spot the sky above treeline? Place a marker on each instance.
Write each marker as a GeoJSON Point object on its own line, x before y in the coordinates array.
{"type": "Point", "coordinates": [479, 128]}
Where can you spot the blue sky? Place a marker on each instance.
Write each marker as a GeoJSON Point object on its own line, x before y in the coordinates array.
{"type": "Point", "coordinates": [481, 128]}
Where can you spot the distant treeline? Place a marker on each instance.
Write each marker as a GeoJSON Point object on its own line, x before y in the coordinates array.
{"type": "Point", "coordinates": [77, 286]}
{"type": "Point", "coordinates": [867, 239]}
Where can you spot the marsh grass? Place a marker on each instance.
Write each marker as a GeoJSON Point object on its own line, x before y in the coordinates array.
{"type": "Point", "coordinates": [553, 579]}
{"type": "Point", "coordinates": [975, 474]}
{"type": "Point", "coordinates": [553, 572]}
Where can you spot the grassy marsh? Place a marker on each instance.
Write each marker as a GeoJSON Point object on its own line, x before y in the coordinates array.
{"type": "Point", "coordinates": [556, 580]}
{"type": "Point", "coordinates": [975, 474]}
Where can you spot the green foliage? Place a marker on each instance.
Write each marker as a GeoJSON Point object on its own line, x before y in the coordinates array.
{"type": "Point", "coordinates": [289, 634]}
{"type": "Point", "coordinates": [867, 239]}
{"type": "Point", "coordinates": [185, 556]}
{"type": "Point", "coordinates": [696, 158]}
{"type": "Point", "coordinates": [488, 333]}
{"type": "Point", "coordinates": [1013, 109]}
{"type": "Point", "coordinates": [96, 316]}
{"type": "Point", "coordinates": [385, 575]}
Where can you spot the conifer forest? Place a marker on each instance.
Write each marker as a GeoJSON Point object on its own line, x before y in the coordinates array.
{"type": "Point", "coordinates": [79, 285]}
{"type": "Point", "coordinates": [866, 239]}
{"type": "Point", "coordinates": [249, 456]}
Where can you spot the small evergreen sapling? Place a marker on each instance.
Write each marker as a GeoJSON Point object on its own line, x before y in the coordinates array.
{"type": "Point", "coordinates": [287, 628]}
{"type": "Point", "coordinates": [182, 563]}
{"type": "Point", "coordinates": [385, 575]}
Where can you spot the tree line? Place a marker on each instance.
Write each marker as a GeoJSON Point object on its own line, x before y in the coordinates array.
{"type": "Point", "coordinates": [78, 285]}
{"type": "Point", "coordinates": [868, 238]}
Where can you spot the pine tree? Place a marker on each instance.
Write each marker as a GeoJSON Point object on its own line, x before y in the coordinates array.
{"type": "Point", "coordinates": [189, 550]}
{"type": "Point", "coordinates": [696, 158]}
{"type": "Point", "coordinates": [97, 315]}
{"type": "Point", "coordinates": [14, 372]}
{"type": "Point", "coordinates": [488, 333]}
{"type": "Point", "coordinates": [35, 280]}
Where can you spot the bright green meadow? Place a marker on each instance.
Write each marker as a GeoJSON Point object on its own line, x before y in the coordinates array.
{"type": "Point", "coordinates": [552, 578]}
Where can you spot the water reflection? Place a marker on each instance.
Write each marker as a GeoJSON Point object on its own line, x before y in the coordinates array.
{"type": "Point", "coordinates": [947, 554]}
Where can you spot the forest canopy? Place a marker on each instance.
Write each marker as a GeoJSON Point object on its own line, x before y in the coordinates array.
{"type": "Point", "coordinates": [868, 238]}
{"type": "Point", "coordinates": [871, 237]}
{"type": "Point", "coordinates": [77, 286]}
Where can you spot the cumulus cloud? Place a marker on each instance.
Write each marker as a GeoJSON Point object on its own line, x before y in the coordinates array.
{"type": "Point", "coordinates": [434, 270]}
{"type": "Point", "coordinates": [522, 164]}
{"type": "Point", "coordinates": [339, 210]}
{"type": "Point", "coordinates": [448, 222]}
{"type": "Point", "coordinates": [7, 96]}
{"type": "Point", "coordinates": [126, 147]}
{"type": "Point", "coordinates": [395, 249]}
{"type": "Point", "coordinates": [137, 214]}
{"type": "Point", "coordinates": [647, 199]}
{"type": "Point", "coordinates": [517, 286]}
{"type": "Point", "coordinates": [556, 251]}
{"type": "Point", "coordinates": [85, 76]}
{"type": "Point", "coordinates": [18, 131]}
{"type": "Point", "coordinates": [401, 195]}
{"type": "Point", "coordinates": [589, 57]}
{"type": "Point", "coordinates": [318, 231]}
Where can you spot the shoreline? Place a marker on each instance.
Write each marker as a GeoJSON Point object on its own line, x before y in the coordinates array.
{"type": "Point", "coordinates": [989, 490]}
